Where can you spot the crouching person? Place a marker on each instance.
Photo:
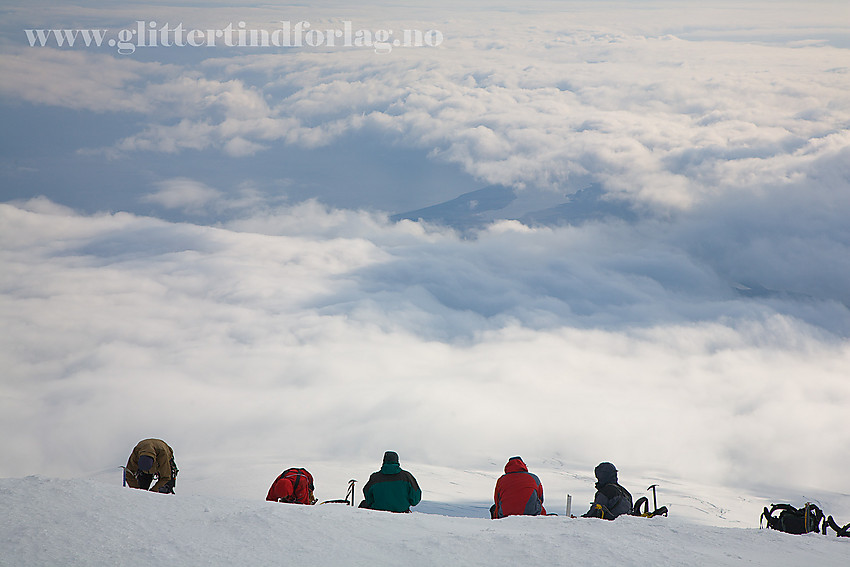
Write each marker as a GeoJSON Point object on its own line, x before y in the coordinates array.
{"type": "Point", "coordinates": [611, 499]}
{"type": "Point", "coordinates": [518, 492]}
{"type": "Point", "coordinates": [294, 485]}
{"type": "Point", "coordinates": [151, 458]}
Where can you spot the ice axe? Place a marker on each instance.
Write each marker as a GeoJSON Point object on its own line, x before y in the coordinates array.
{"type": "Point", "coordinates": [124, 475]}
{"type": "Point", "coordinates": [657, 511]}
{"type": "Point", "coordinates": [654, 500]}
{"type": "Point", "coordinates": [350, 494]}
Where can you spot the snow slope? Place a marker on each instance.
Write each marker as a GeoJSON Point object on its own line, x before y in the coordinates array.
{"type": "Point", "coordinates": [48, 521]}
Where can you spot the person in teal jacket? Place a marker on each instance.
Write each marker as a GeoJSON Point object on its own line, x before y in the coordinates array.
{"type": "Point", "coordinates": [391, 488]}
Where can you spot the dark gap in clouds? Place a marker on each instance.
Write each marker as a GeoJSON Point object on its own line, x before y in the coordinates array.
{"type": "Point", "coordinates": [43, 131]}
{"type": "Point", "coordinates": [778, 243]}
{"type": "Point", "coordinates": [359, 170]}
{"type": "Point", "coordinates": [366, 170]}
{"type": "Point", "coordinates": [40, 157]}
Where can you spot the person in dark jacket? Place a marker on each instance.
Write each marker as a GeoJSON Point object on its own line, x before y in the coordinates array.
{"type": "Point", "coordinates": [151, 457]}
{"type": "Point", "coordinates": [518, 492]}
{"type": "Point", "coordinates": [611, 499]}
{"type": "Point", "coordinates": [391, 488]}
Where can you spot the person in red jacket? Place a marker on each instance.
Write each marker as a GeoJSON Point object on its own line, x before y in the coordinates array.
{"type": "Point", "coordinates": [294, 486]}
{"type": "Point", "coordinates": [518, 492]}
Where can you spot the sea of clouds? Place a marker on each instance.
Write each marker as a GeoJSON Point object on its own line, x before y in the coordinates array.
{"type": "Point", "coordinates": [217, 267]}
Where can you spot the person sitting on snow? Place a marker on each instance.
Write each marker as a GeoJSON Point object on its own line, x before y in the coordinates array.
{"type": "Point", "coordinates": [611, 499]}
{"type": "Point", "coordinates": [151, 457]}
{"type": "Point", "coordinates": [294, 485]}
{"type": "Point", "coordinates": [518, 492]}
{"type": "Point", "coordinates": [391, 488]}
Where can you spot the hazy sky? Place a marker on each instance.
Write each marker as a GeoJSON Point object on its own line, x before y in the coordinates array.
{"type": "Point", "coordinates": [195, 244]}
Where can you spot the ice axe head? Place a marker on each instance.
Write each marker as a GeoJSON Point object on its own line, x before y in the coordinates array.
{"type": "Point", "coordinates": [654, 501]}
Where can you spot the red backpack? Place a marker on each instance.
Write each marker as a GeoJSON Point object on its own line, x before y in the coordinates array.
{"type": "Point", "coordinates": [294, 485]}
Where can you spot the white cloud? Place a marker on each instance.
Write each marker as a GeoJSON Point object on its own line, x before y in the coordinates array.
{"type": "Point", "coordinates": [667, 134]}
{"type": "Point", "coordinates": [182, 193]}
{"type": "Point", "coordinates": [77, 80]}
{"type": "Point", "coordinates": [363, 334]}
{"type": "Point", "coordinates": [239, 147]}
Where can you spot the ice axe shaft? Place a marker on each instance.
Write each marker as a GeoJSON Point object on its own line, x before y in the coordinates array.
{"type": "Point", "coordinates": [654, 500]}
{"type": "Point", "coordinates": [350, 495]}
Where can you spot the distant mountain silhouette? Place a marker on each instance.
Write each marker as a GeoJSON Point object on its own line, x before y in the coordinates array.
{"type": "Point", "coordinates": [584, 205]}
{"type": "Point", "coordinates": [478, 208]}
{"type": "Point", "coordinates": [753, 289]}
{"type": "Point", "coordinates": [466, 211]}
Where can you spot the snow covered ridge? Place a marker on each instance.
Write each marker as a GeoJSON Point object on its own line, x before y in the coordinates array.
{"type": "Point", "coordinates": [82, 522]}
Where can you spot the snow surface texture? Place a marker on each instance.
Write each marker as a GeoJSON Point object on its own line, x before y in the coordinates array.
{"type": "Point", "coordinates": [82, 522]}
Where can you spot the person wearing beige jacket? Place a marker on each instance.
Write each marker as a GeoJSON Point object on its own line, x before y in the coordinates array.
{"type": "Point", "coordinates": [151, 457]}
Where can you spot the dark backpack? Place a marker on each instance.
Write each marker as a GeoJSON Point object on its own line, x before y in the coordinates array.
{"type": "Point", "coordinates": [615, 494]}
{"type": "Point", "coordinates": [794, 520]}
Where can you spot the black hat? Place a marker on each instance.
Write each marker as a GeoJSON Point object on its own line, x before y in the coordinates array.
{"type": "Point", "coordinates": [145, 463]}
{"type": "Point", "coordinates": [605, 473]}
{"type": "Point", "coordinates": [391, 457]}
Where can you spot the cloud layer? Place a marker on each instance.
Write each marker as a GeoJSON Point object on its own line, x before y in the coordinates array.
{"type": "Point", "coordinates": [264, 318]}
{"type": "Point", "coordinates": [533, 100]}
{"type": "Point", "coordinates": [223, 341]}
